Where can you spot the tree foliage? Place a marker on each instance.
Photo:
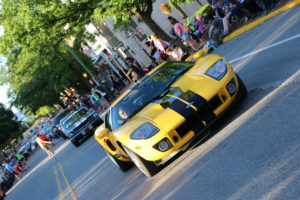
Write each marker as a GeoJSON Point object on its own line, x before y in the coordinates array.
{"type": "Point", "coordinates": [123, 10]}
{"type": "Point", "coordinates": [9, 127]}
{"type": "Point", "coordinates": [38, 66]}
{"type": "Point", "coordinates": [37, 80]}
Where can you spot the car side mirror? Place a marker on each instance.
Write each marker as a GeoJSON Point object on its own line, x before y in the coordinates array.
{"type": "Point", "coordinates": [196, 56]}
{"type": "Point", "coordinates": [101, 132]}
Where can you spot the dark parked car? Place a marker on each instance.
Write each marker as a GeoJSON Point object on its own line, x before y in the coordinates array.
{"type": "Point", "coordinates": [80, 125]}
{"type": "Point", "coordinates": [56, 122]}
{"type": "Point", "coordinates": [59, 116]}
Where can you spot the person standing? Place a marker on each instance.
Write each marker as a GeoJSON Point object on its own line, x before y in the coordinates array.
{"type": "Point", "coordinates": [183, 33]}
{"type": "Point", "coordinates": [21, 159]}
{"type": "Point", "coordinates": [43, 145]}
{"type": "Point", "coordinates": [101, 96]}
{"type": "Point", "coordinates": [136, 69]}
{"type": "Point", "coordinates": [95, 99]}
{"type": "Point", "coordinates": [159, 43]}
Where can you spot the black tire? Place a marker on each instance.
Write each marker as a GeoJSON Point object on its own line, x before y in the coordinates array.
{"type": "Point", "coordinates": [76, 144]}
{"type": "Point", "coordinates": [122, 165]}
{"type": "Point", "coordinates": [146, 167]}
{"type": "Point", "coordinates": [242, 93]}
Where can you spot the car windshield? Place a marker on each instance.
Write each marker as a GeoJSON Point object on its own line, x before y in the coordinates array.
{"type": "Point", "coordinates": [149, 89]}
{"type": "Point", "coordinates": [74, 118]}
{"type": "Point", "coordinates": [61, 115]}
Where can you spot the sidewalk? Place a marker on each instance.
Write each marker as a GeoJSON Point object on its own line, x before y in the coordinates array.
{"type": "Point", "coordinates": [280, 7]}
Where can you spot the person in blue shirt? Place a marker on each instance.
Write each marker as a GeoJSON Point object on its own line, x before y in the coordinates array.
{"type": "Point", "coordinates": [10, 169]}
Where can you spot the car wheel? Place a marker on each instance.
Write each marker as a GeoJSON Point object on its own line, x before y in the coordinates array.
{"type": "Point", "coordinates": [122, 165]}
{"type": "Point", "coordinates": [147, 167]}
{"type": "Point", "coordinates": [242, 93]}
{"type": "Point", "coordinates": [76, 144]}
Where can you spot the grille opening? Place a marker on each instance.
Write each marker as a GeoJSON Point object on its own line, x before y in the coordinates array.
{"type": "Point", "coordinates": [175, 139]}
{"type": "Point", "coordinates": [182, 130]}
{"type": "Point", "coordinates": [191, 120]}
{"type": "Point", "coordinates": [223, 97]}
{"type": "Point", "coordinates": [215, 102]}
{"type": "Point", "coordinates": [110, 145]}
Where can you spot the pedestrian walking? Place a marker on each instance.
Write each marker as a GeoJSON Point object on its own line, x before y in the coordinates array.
{"type": "Point", "coordinates": [43, 145]}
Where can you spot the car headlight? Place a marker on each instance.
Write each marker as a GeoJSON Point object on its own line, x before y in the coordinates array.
{"type": "Point", "coordinates": [218, 70]}
{"type": "Point", "coordinates": [71, 134]}
{"type": "Point", "coordinates": [145, 131]}
{"type": "Point", "coordinates": [95, 115]}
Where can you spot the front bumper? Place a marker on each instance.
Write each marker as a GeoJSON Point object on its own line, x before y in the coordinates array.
{"type": "Point", "coordinates": [87, 131]}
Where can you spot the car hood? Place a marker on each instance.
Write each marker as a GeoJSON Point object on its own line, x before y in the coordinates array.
{"type": "Point", "coordinates": [188, 93]}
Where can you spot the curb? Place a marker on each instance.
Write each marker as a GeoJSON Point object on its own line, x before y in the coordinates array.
{"type": "Point", "coordinates": [260, 20]}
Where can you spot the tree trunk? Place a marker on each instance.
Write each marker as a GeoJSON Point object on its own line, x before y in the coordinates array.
{"type": "Point", "coordinates": [199, 2]}
{"type": "Point", "coordinates": [179, 10]}
{"type": "Point", "coordinates": [146, 18]}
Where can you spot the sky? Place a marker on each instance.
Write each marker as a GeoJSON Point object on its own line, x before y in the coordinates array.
{"type": "Point", "coordinates": [3, 89]}
{"type": "Point", "coordinates": [3, 96]}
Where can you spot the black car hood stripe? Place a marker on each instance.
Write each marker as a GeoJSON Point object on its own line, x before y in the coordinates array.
{"type": "Point", "coordinates": [183, 103]}
{"type": "Point", "coordinates": [181, 108]}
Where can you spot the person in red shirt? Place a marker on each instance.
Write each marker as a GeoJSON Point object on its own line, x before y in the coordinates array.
{"type": "Point", "coordinates": [43, 144]}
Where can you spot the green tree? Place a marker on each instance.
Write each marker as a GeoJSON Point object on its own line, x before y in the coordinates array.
{"type": "Point", "coordinates": [9, 127]}
{"type": "Point", "coordinates": [38, 67]}
{"type": "Point", "coordinates": [33, 24]}
{"type": "Point", "coordinates": [37, 80]}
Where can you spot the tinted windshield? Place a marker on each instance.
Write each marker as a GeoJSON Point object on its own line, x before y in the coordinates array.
{"type": "Point", "coordinates": [74, 118]}
{"type": "Point", "coordinates": [61, 115]}
{"type": "Point", "coordinates": [144, 92]}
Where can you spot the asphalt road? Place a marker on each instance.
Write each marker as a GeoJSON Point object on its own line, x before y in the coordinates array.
{"type": "Point", "coordinates": [253, 152]}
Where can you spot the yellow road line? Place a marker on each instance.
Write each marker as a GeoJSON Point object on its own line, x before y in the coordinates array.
{"type": "Point", "coordinates": [71, 191]}
{"type": "Point", "coordinates": [61, 194]}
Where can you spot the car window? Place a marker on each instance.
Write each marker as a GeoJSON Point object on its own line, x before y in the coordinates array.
{"type": "Point", "coordinates": [143, 93]}
{"type": "Point", "coordinates": [68, 123]}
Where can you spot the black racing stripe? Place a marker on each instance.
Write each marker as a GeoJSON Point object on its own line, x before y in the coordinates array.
{"type": "Point", "coordinates": [204, 111]}
{"type": "Point", "coordinates": [194, 98]}
{"type": "Point", "coordinates": [182, 108]}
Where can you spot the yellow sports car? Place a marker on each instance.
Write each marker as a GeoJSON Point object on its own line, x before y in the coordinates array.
{"type": "Point", "coordinates": [162, 113]}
